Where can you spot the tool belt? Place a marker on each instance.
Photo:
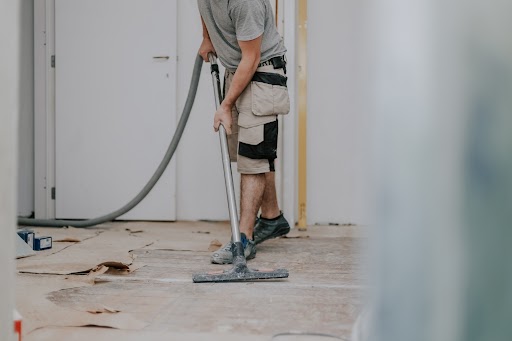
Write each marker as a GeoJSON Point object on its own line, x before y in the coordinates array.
{"type": "Point", "coordinates": [278, 62]}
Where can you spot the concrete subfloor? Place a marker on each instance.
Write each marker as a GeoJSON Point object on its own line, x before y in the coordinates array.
{"type": "Point", "coordinates": [157, 300]}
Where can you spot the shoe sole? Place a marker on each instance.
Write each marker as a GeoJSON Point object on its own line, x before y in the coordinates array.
{"type": "Point", "coordinates": [277, 233]}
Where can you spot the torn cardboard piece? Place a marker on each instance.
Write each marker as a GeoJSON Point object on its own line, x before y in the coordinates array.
{"type": "Point", "coordinates": [193, 236]}
{"type": "Point", "coordinates": [295, 237]}
{"type": "Point", "coordinates": [102, 310]}
{"type": "Point", "coordinates": [67, 234]}
{"type": "Point", "coordinates": [104, 249]}
{"type": "Point", "coordinates": [134, 231]}
{"type": "Point", "coordinates": [71, 318]}
{"type": "Point", "coordinates": [39, 311]}
{"type": "Point", "coordinates": [67, 240]}
{"type": "Point", "coordinates": [97, 271]}
{"type": "Point", "coordinates": [214, 245]}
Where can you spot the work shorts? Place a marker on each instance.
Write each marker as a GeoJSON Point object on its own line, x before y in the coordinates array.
{"type": "Point", "coordinates": [253, 142]}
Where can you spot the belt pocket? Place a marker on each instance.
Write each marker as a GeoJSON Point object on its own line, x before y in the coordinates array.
{"type": "Point", "coordinates": [269, 94]}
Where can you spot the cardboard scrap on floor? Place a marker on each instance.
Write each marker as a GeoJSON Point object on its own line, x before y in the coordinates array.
{"type": "Point", "coordinates": [189, 236]}
{"type": "Point", "coordinates": [109, 248]}
{"type": "Point", "coordinates": [39, 312]}
{"type": "Point", "coordinates": [67, 240]}
{"type": "Point", "coordinates": [295, 237]}
{"type": "Point", "coordinates": [67, 234]}
{"type": "Point", "coordinates": [97, 271]}
{"type": "Point", "coordinates": [103, 309]}
{"type": "Point", "coordinates": [214, 245]}
{"type": "Point", "coordinates": [104, 334]}
{"type": "Point", "coordinates": [22, 248]}
{"type": "Point", "coordinates": [81, 250]}
{"type": "Point", "coordinates": [63, 317]}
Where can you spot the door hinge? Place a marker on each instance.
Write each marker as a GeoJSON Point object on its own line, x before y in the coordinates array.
{"type": "Point", "coordinates": [53, 61]}
{"type": "Point", "coordinates": [53, 193]}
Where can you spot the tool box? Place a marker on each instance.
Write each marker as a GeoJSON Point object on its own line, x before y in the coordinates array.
{"type": "Point", "coordinates": [42, 243]}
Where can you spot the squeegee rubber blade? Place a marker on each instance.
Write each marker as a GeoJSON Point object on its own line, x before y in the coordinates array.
{"type": "Point", "coordinates": [231, 276]}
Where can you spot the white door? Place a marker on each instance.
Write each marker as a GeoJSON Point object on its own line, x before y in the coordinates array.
{"type": "Point", "coordinates": [115, 105]}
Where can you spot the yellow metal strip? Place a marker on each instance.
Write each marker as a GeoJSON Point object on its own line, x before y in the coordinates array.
{"type": "Point", "coordinates": [277, 13]}
{"type": "Point", "coordinates": [302, 95]}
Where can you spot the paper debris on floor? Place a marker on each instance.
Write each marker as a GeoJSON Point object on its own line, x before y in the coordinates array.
{"type": "Point", "coordinates": [103, 309]}
{"type": "Point", "coordinates": [22, 248]}
{"type": "Point", "coordinates": [214, 245]}
{"type": "Point", "coordinates": [40, 312]}
{"type": "Point", "coordinates": [67, 240]}
{"type": "Point", "coordinates": [111, 248]}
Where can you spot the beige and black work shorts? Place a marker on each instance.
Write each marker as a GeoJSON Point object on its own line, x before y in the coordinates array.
{"type": "Point", "coordinates": [255, 125]}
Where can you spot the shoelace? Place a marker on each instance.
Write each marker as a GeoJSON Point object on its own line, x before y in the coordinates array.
{"type": "Point", "coordinates": [227, 247]}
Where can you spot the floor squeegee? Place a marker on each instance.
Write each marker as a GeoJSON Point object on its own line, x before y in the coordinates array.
{"type": "Point", "coordinates": [240, 271]}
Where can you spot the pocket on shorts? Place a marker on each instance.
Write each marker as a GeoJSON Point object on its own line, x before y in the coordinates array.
{"type": "Point", "coordinates": [252, 135]}
{"type": "Point", "coordinates": [259, 142]}
{"type": "Point", "coordinates": [269, 94]}
{"type": "Point", "coordinates": [281, 100]}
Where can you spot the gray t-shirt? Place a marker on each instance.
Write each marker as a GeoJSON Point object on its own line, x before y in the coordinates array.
{"type": "Point", "coordinates": [230, 21]}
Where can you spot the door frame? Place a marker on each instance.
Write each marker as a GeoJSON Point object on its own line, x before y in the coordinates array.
{"type": "Point", "coordinates": [287, 16]}
{"type": "Point", "coordinates": [44, 109]}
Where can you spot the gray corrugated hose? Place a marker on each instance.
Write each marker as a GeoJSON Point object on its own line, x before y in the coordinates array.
{"type": "Point", "coordinates": [154, 179]}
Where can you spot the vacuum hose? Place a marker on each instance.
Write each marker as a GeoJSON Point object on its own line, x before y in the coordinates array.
{"type": "Point", "coordinates": [154, 179]}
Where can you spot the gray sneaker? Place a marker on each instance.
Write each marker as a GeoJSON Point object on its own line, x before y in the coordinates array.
{"type": "Point", "coordinates": [225, 256]}
{"type": "Point", "coordinates": [267, 229]}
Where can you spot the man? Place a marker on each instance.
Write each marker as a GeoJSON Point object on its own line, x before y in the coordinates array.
{"type": "Point", "coordinates": [242, 33]}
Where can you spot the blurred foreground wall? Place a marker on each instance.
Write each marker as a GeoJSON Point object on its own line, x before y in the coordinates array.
{"type": "Point", "coordinates": [441, 84]}
{"type": "Point", "coordinates": [9, 109]}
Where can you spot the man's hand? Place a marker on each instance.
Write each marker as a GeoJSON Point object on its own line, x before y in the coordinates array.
{"type": "Point", "coordinates": [223, 116]}
{"type": "Point", "coordinates": [205, 48]}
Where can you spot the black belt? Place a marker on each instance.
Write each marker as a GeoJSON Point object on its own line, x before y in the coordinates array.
{"type": "Point", "coordinates": [277, 62]}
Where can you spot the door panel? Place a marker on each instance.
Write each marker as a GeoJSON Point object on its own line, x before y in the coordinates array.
{"type": "Point", "coordinates": [115, 105]}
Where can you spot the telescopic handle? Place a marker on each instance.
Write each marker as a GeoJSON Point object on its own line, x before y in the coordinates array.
{"type": "Point", "coordinates": [226, 162]}
{"type": "Point", "coordinates": [212, 58]}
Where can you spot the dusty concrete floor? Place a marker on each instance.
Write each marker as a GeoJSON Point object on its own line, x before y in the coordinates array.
{"type": "Point", "coordinates": [153, 297]}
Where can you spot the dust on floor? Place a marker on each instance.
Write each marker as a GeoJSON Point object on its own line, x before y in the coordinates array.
{"type": "Point", "coordinates": [133, 280]}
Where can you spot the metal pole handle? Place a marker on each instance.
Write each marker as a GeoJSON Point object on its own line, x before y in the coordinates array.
{"type": "Point", "coordinates": [226, 162]}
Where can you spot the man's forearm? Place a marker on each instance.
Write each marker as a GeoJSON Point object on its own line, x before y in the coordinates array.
{"type": "Point", "coordinates": [241, 79]}
{"type": "Point", "coordinates": [206, 35]}
{"type": "Point", "coordinates": [206, 45]}
{"type": "Point", "coordinates": [243, 75]}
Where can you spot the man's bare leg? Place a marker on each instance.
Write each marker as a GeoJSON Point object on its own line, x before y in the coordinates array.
{"type": "Point", "coordinates": [269, 205]}
{"type": "Point", "coordinates": [251, 195]}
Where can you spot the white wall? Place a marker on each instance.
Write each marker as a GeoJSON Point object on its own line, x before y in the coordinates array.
{"type": "Point", "coordinates": [337, 125]}
{"type": "Point", "coordinates": [26, 118]}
